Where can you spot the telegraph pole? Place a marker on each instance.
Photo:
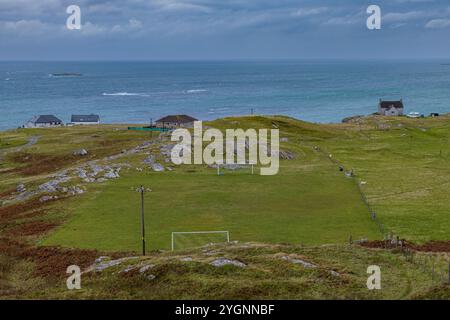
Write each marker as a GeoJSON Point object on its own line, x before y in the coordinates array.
{"type": "Point", "coordinates": [142, 190]}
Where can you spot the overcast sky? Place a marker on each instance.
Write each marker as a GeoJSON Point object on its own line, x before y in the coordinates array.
{"type": "Point", "coordinates": [223, 29]}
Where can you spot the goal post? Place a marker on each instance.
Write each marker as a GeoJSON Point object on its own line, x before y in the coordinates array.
{"type": "Point", "coordinates": [198, 238]}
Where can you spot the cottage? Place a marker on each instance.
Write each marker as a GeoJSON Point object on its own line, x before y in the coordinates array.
{"type": "Point", "coordinates": [391, 108]}
{"type": "Point", "coordinates": [176, 121]}
{"type": "Point", "coordinates": [85, 119]}
{"type": "Point", "coordinates": [43, 121]}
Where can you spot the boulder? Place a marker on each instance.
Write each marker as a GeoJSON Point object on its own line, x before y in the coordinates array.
{"type": "Point", "coordinates": [287, 155]}
{"type": "Point", "coordinates": [47, 198]}
{"type": "Point", "coordinates": [82, 174]}
{"type": "Point", "coordinates": [304, 263]}
{"type": "Point", "coordinates": [146, 268]}
{"type": "Point", "coordinates": [221, 262]}
{"type": "Point", "coordinates": [21, 188]}
{"type": "Point", "coordinates": [111, 175]}
{"type": "Point", "coordinates": [74, 190]}
{"type": "Point", "coordinates": [157, 167]}
{"type": "Point", "coordinates": [149, 160]}
{"type": "Point", "coordinates": [186, 259]}
{"type": "Point", "coordinates": [81, 152]}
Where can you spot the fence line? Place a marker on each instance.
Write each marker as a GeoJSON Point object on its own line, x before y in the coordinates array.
{"type": "Point", "coordinates": [354, 177]}
{"type": "Point", "coordinates": [431, 264]}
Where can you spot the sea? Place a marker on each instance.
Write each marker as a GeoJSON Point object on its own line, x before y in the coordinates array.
{"type": "Point", "coordinates": [142, 92]}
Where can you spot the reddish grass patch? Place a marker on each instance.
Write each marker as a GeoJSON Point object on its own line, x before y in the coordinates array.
{"type": "Point", "coordinates": [432, 246]}
{"type": "Point", "coordinates": [18, 210]}
{"type": "Point", "coordinates": [51, 262]}
{"type": "Point", "coordinates": [35, 164]}
{"type": "Point", "coordinates": [31, 229]}
{"type": "Point", "coordinates": [7, 193]}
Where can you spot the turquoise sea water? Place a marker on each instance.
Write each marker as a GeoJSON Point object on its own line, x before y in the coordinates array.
{"type": "Point", "coordinates": [135, 92]}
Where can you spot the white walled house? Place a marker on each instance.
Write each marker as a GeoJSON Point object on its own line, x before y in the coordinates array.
{"type": "Point", "coordinates": [391, 108]}
{"type": "Point", "coordinates": [43, 121]}
{"type": "Point", "coordinates": [85, 119]}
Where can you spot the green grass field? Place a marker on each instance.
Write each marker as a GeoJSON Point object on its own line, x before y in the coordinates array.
{"type": "Point", "coordinates": [287, 208]}
{"type": "Point", "coordinates": [404, 163]}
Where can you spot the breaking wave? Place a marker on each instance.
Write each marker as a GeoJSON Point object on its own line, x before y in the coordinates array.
{"type": "Point", "coordinates": [125, 94]}
{"type": "Point", "coordinates": [196, 91]}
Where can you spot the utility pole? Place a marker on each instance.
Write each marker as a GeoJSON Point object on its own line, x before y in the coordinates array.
{"type": "Point", "coordinates": [141, 190]}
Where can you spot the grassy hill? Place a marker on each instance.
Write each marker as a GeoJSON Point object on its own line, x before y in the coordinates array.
{"type": "Point", "coordinates": [402, 166]}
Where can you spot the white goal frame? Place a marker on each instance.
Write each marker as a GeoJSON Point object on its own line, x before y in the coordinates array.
{"type": "Point", "coordinates": [198, 232]}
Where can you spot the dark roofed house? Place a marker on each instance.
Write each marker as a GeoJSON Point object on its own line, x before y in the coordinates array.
{"type": "Point", "coordinates": [176, 121]}
{"type": "Point", "coordinates": [391, 108]}
{"type": "Point", "coordinates": [85, 119]}
{"type": "Point", "coordinates": [44, 121]}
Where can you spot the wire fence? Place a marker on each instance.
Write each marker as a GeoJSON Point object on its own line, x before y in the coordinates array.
{"type": "Point", "coordinates": [351, 174]}
{"type": "Point", "coordinates": [435, 265]}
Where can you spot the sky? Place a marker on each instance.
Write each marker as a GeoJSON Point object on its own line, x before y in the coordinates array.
{"type": "Point", "coordinates": [223, 30]}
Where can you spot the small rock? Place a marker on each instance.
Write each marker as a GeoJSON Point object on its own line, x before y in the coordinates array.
{"type": "Point", "coordinates": [98, 267]}
{"type": "Point", "coordinates": [186, 259]}
{"type": "Point", "coordinates": [146, 268]}
{"type": "Point", "coordinates": [128, 269]}
{"type": "Point", "coordinates": [96, 170]}
{"type": "Point", "coordinates": [151, 277]}
{"type": "Point", "coordinates": [221, 262]}
{"type": "Point", "coordinates": [105, 265]}
{"type": "Point", "coordinates": [285, 139]}
{"type": "Point", "coordinates": [82, 174]}
{"type": "Point", "coordinates": [101, 259]}
{"type": "Point", "coordinates": [21, 188]}
{"type": "Point", "coordinates": [287, 155]}
{"type": "Point", "coordinates": [334, 273]}
{"type": "Point", "coordinates": [111, 175]}
{"type": "Point", "coordinates": [304, 263]}
{"type": "Point", "coordinates": [157, 167]}
{"type": "Point", "coordinates": [74, 190]}
{"type": "Point", "coordinates": [47, 198]}
{"type": "Point", "coordinates": [149, 160]}
{"type": "Point", "coordinates": [81, 152]}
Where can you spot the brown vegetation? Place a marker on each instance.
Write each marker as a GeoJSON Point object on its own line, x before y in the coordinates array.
{"type": "Point", "coordinates": [432, 246]}
{"type": "Point", "coordinates": [35, 164]}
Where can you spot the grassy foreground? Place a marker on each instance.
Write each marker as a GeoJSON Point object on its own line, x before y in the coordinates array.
{"type": "Point", "coordinates": [264, 272]}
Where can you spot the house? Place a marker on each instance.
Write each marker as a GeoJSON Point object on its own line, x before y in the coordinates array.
{"type": "Point", "coordinates": [85, 119]}
{"type": "Point", "coordinates": [176, 121]}
{"type": "Point", "coordinates": [43, 121]}
{"type": "Point", "coordinates": [391, 108]}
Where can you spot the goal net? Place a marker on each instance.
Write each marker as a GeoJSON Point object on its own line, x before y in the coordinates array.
{"type": "Point", "coordinates": [186, 240]}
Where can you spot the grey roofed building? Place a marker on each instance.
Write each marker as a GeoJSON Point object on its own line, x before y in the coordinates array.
{"type": "Point", "coordinates": [43, 121]}
{"type": "Point", "coordinates": [176, 121]}
{"type": "Point", "coordinates": [85, 119]}
{"type": "Point", "coordinates": [391, 108]}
